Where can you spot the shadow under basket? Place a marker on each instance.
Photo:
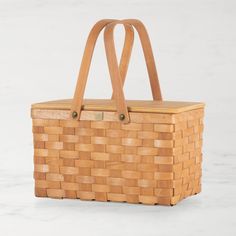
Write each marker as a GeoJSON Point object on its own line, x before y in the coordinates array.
{"type": "Point", "coordinates": [155, 159]}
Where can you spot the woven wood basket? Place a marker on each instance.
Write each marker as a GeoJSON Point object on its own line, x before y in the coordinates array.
{"type": "Point", "coordinates": [117, 150]}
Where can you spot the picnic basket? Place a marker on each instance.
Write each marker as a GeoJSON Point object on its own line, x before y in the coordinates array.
{"type": "Point", "coordinates": [118, 150]}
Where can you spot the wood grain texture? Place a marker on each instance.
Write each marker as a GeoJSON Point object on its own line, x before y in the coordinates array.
{"type": "Point", "coordinates": [116, 73]}
{"type": "Point", "coordinates": [133, 105]}
{"type": "Point", "coordinates": [140, 162]}
{"type": "Point", "coordinates": [86, 61]}
{"type": "Point", "coordinates": [153, 156]}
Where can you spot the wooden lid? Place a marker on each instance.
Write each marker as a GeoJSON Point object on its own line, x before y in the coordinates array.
{"type": "Point", "coordinates": [133, 105]}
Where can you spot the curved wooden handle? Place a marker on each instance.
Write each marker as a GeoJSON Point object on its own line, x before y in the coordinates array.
{"type": "Point", "coordinates": [113, 64]}
{"type": "Point", "coordinates": [86, 61]}
{"type": "Point", "coordinates": [149, 58]}
{"type": "Point", "coordinates": [148, 54]}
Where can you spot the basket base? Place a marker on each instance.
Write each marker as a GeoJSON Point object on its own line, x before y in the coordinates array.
{"type": "Point", "coordinates": [43, 193]}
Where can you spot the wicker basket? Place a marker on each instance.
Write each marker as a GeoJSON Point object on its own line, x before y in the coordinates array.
{"type": "Point", "coordinates": [117, 150]}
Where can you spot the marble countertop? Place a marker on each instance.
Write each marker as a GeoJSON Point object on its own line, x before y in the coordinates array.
{"type": "Point", "coordinates": [41, 42]}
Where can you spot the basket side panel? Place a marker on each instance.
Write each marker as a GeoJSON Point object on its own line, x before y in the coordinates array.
{"type": "Point", "coordinates": [100, 158]}
{"type": "Point", "coordinates": [187, 163]}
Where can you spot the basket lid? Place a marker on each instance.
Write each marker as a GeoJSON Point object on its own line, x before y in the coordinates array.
{"type": "Point", "coordinates": [133, 105]}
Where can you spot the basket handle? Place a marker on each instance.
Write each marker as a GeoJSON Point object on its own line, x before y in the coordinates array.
{"type": "Point", "coordinates": [114, 69]}
{"type": "Point", "coordinates": [86, 61]}
{"type": "Point", "coordinates": [148, 54]}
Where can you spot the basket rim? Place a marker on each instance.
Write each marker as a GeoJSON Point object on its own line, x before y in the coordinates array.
{"type": "Point", "coordinates": [149, 106]}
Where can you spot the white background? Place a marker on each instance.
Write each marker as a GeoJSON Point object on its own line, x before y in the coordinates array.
{"type": "Point", "coordinates": [41, 45]}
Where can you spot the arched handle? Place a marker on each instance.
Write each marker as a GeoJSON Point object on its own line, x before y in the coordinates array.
{"type": "Point", "coordinates": [113, 64]}
{"type": "Point", "coordinates": [86, 61]}
{"type": "Point", "coordinates": [148, 54]}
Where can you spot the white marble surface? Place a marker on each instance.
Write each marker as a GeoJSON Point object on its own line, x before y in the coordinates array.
{"type": "Point", "coordinates": [41, 46]}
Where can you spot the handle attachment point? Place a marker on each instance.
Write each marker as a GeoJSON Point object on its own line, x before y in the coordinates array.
{"type": "Point", "coordinates": [121, 117]}
{"type": "Point", "coordinates": [74, 114]}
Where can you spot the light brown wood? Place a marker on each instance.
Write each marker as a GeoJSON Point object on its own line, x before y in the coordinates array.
{"type": "Point", "coordinates": [117, 80]}
{"type": "Point", "coordinates": [126, 53]}
{"type": "Point", "coordinates": [154, 159]}
{"type": "Point", "coordinates": [149, 58]}
{"type": "Point", "coordinates": [133, 105]}
{"type": "Point", "coordinates": [139, 162]}
{"type": "Point", "coordinates": [115, 73]}
{"type": "Point", "coordinates": [86, 61]}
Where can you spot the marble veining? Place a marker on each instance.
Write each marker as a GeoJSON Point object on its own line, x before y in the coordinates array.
{"type": "Point", "coordinates": [41, 45]}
